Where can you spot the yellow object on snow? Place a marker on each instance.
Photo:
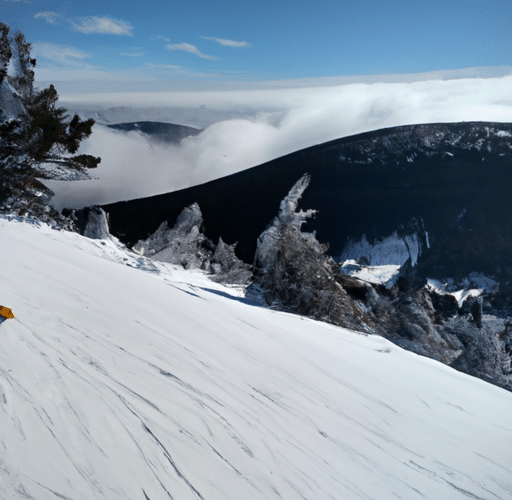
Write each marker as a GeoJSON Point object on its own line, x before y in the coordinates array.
{"type": "Point", "coordinates": [6, 312]}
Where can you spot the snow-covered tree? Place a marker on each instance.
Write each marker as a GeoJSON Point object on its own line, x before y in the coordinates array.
{"type": "Point", "coordinates": [187, 246]}
{"type": "Point", "coordinates": [5, 50]}
{"type": "Point", "coordinates": [184, 244]}
{"type": "Point", "coordinates": [52, 136]}
{"type": "Point", "coordinates": [294, 272]}
{"type": "Point", "coordinates": [227, 267]}
{"type": "Point", "coordinates": [23, 79]}
{"type": "Point", "coordinates": [96, 226]}
{"type": "Point", "coordinates": [37, 139]}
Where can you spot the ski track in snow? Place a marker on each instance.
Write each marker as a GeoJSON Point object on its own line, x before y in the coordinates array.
{"type": "Point", "coordinates": [143, 381]}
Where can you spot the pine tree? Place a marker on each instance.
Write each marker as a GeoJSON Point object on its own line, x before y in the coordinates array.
{"type": "Point", "coordinates": [51, 135]}
{"type": "Point", "coordinates": [34, 132]}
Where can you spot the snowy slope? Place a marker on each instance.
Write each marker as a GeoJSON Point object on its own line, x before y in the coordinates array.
{"type": "Point", "coordinates": [126, 379]}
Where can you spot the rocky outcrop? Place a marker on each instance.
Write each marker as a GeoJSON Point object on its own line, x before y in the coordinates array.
{"type": "Point", "coordinates": [487, 352]}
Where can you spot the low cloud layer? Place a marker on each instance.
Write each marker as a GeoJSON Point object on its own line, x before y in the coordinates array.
{"type": "Point", "coordinates": [277, 122]}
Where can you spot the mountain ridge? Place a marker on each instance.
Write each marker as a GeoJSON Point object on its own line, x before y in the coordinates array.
{"type": "Point", "coordinates": [170, 133]}
{"type": "Point", "coordinates": [444, 183]}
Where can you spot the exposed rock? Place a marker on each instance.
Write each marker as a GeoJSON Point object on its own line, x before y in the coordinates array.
{"type": "Point", "coordinates": [446, 305]}
{"type": "Point", "coordinates": [418, 322]}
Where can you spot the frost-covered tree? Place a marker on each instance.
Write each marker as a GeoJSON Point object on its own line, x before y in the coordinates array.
{"type": "Point", "coordinates": [294, 272]}
{"type": "Point", "coordinates": [227, 268]}
{"type": "Point", "coordinates": [37, 139]}
{"type": "Point", "coordinates": [5, 50]}
{"type": "Point", "coordinates": [23, 78]}
{"type": "Point", "coordinates": [187, 246]}
{"type": "Point", "coordinates": [51, 134]}
{"type": "Point", "coordinates": [96, 226]}
{"type": "Point", "coordinates": [184, 244]}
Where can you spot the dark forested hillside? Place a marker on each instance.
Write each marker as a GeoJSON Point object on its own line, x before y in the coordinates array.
{"type": "Point", "coordinates": [446, 186]}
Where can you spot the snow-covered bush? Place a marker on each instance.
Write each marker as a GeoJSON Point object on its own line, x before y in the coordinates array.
{"type": "Point", "coordinates": [97, 224]}
{"type": "Point", "coordinates": [184, 244]}
{"type": "Point", "coordinates": [227, 268]}
{"type": "Point", "coordinates": [487, 349]}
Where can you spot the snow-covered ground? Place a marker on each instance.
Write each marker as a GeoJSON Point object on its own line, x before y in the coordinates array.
{"type": "Point", "coordinates": [393, 250]}
{"type": "Point", "coordinates": [122, 378]}
{"type": "Point", "coordinates": [382, 275]}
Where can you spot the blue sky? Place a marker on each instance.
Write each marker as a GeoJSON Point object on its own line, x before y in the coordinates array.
{"type": "Point", "coordinates": [258, 40]}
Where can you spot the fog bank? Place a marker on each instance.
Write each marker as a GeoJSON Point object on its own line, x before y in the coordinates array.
{"type": "Point", "coordinates": [269, 123]}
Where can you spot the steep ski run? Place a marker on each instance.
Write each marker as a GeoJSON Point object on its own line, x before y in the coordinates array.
{"type": "Point", "coordinates": [125, 379]}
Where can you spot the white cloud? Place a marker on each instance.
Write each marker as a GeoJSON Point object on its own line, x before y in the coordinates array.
{"type": "Point", "coordinates": [228, 43]}
{"type": "Point", "coordinates": [163, 66]}
{"type": "Point", "coordinates": [88, 25]}
{"type": "Point", "coordinates": [191, 49]}
{"type": "Point", "coordinates": [275, 122]}
{"type": "Point", "coordinates": [163, 38]}
{"type": "Point", "coordinates": [131, 54]}
{"type": "Point", "coordinates": [49, 16]}
{"type": "Point", "coordinates": [105, 25]}
{"type": "Point", "coordinates": [60, 54]}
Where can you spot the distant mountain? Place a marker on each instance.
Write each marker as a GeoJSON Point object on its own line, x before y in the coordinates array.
{"type": "Point", "coordinates": [165, 132]}
{"type": "Point", "coordinates": [196, 117]}
{"type": "Point", "coordinates": [439, 194]}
